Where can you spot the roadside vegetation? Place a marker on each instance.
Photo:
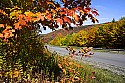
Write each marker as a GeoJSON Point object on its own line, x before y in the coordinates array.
{"type": "Point", "coordinates": [78, 71]}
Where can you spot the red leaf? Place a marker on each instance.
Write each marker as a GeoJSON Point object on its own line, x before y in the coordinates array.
{"type": "Point", "coordinates": [59, 21]}
{"type": "Point", "coordinates": [95, 13]}
{"type": "Point", "coordinates": [87, 9]}
{"type": "Point", "coordinates": [66, 19]}
{"type": "Point", "coordinates": [49, 17]}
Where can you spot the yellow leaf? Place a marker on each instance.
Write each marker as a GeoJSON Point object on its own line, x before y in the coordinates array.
{"type": "Point", "coordinates": [64, 71]}
{"type": "Point", "coordinates": [8, 27]}
{"type": "Point", "coordinates": [29, 14]}
{"type": "Point", "coordinates": [11, 35]}
{"type": "Point", "coordinates": [16, 73]}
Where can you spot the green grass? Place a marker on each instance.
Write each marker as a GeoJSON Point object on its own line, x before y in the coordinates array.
{"type": "Point", "coordinates": [115, 52]}
{"type": "Point", "coordinates": [103, 75]}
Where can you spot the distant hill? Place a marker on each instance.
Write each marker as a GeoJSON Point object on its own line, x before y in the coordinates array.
{"type": "Point", "coordinates": [48, 37]}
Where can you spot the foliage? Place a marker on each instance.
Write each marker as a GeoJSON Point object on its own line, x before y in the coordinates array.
{"type": "Point", "coordinates": [22, 53]}
{"type": "Point", "coordinates": [110, 35]}
{"type": "Point", "coordinates": [122, 18]}
{"type": "Point", "coordinates": [113, 20]}
{"type": "Point", "coordinates": [77, 71]}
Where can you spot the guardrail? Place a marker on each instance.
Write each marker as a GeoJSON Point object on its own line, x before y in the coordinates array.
{"type": "Point", "coordinates": [109, 49]}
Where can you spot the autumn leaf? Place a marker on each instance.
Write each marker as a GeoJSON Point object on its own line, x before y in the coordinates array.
{"type": "Point", "coordinates": [1, 35]}
{"type": "Point", "coordinates": [95, 13]}
{"type": "Point", "coordinates": [66, 19]}
{"type": "Point", "coordinates": [6, 35]}
{"type": "Point", "coordinates": [48, 17]}
{"type": "Point", "coordinates": [17, 26]}
{"type": "Point", "coordinates": [11, 35]}
{"type": "Point", "coordinates": [22, 22]}
{"type": "Point", "coordinates": [8, 27]}
{"type": "Point", "coordinates": [29, 13]}
{"type": "Point", "coordinates": [27, 18]}
{"type": "Point", "coordinates": [1, 25]}
{"type": "Point", "coordinates": [48, 2]}
{"type": "Point", "coordinates": [87, 9]}
{"type": "Point", "coordinates": [95, 20]}
{"type": "Point", "coordinates": [82, 12]}
{"type": "Point", "coordinates": [70, 12]}
{"type": "Point", "coordinates": [64, 71]}
{"type": "Point", "coordinates": [16, 73]}
{"type": "Point", "coordinates": [35, 19]}
{"type": "Point", "coordinates": [64, 1]}
{"type": "Point", "coordinates": [62, 13]}
{"type": "Point", "coordinates": [59, 21]}
{"type": "Point", "coordinates": [53, 11]}
{"type": "Point", "coordinates": [76, 17]}
{"type": "Point", "coordinates": [1, 11]}
{"type": "Point", "coordinates": [40, 16]}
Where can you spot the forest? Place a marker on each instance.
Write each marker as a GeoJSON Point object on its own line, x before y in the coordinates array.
{"type": "Point", "coordinates": [107, 35]}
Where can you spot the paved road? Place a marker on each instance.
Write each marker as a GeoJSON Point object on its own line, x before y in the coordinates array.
{"type": "Point", "coordinates": [103, 60]}
{"type": "Point", "coordinates": [103, 57]}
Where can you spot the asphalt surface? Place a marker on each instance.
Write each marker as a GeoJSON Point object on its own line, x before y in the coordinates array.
{"type": "Point", "coordinates": [103, 57]}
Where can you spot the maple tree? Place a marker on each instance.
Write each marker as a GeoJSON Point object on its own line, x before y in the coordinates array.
{"type": "Point", "coordinates": [53, 15]}
{"type": "Point", "coordinates": [20, 24]}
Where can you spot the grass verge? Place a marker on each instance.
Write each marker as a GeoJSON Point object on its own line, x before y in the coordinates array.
{"type": "Point", "coordinates": [78, 72]}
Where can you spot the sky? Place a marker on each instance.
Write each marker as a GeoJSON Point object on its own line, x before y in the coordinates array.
{"type": "Point", "coordinates": [107, 9]}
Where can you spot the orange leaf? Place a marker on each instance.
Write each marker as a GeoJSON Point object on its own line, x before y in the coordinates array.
{"type": "Point", "coordinates": [22, 22]}
{"type": "Point", "coordinates": [66, 19]}
{"type": "Point", "coordinates": [50, 3]}
{"type": "Point", "coordinates": [5, 31]}
{"type": "Point", "coordinates": [41, 17]}
{"type": "Point", "coordinates": [64, 1]}
{"type": "Point", "coordinates": [1, 25]}
{"type": "Point", "coordinates": [59, 21]}
{"type": "Point", "coordinates": [48, 17]}
{"type": "Point", "coordinates": [28, 19]}
{"type": "Point", "coordinates": [53, 11]}
{"type": "Point", "coordinates": [8, 27]}
{"type": "Point", "coordinates": [1, 35]}
{"type": "Point", "coordinates": [70, 13]}
{"type": "Point", "coordinates": [17, 26]}
{"type": "Point", "coordinates": [62, 13]}
{"type": "Point", "coordinates": [6, 35]}
{"type": "Point", "coordinates": [1, 11]}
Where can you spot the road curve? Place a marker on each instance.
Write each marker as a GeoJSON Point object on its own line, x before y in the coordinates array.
{"type": "Point", "coordinates": [105, 58]}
